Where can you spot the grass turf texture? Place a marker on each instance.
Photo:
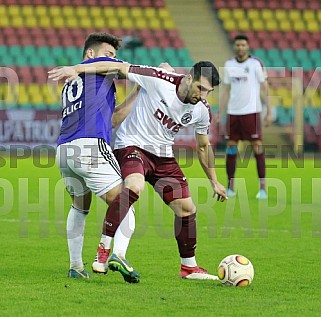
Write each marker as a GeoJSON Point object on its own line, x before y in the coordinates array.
{"type": "Point", "coordinates": [34, 256]}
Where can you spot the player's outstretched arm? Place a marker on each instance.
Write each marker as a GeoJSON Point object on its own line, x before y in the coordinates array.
{"type": "Point", "coordinates": [206, 158]}
{"type": "Point", "coordinates": [123, 109]}
{"type": "Point", "coordinates": [71, 72]}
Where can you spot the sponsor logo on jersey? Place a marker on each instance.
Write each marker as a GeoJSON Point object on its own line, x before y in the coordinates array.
{"type": "Point", "coordinates": [135, 154]}
{"type": "Point", "coordinates": [166, 121]}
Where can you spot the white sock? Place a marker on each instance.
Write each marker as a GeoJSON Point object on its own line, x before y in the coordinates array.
{"type": "Point", "coordinates": [124, 233]}
{"type": "Point", "coordinates": [75, 235]}
{"type": "Point", "coordinates": [189, 261]}
{"type": "Point", "coordinates": [106, 240]}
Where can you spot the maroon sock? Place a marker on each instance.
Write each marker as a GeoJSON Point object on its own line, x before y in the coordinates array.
{"type": "Point", "coordinates": [185, 233]}
{"type": "Point", "coordinates": [117, 211]}
{"type": "Point", "coordinates": [260, 165]}
{"type": "Point", "coordinates": [230, 169]}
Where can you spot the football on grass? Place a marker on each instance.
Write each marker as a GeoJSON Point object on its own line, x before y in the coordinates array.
{"type": "Point", "coordinates": [235, 270]}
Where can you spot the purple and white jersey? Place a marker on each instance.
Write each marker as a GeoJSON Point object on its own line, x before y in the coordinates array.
{"type": "Point", "coordinates": [88, 104]}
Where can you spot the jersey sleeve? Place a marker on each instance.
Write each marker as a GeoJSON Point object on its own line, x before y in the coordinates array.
{"type": "Point", "coordinates": [151, 78]}
{"type": "Point", "coordinates": [203, 124]}
{"type": "Point", "coordinates": [261, 73]}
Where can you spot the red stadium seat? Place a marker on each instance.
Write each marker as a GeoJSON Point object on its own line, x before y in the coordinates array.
{"type": "Point", "coordinates": [314, 5]}
{"type": "Point", "coordinates": [164, 43]}
{"type": "Point", "coordinates": [247, 4]}
{"type": "Point", "coordinates": [301, 4]}
{"type": "Point", "coordinates": [311, 45]}
{"type": "Point", "coordinates": [259, 4]}
{"type": "Point", "coordinates": [150, 42]}
{"type": "Point", "coordinates": [291, 35]}
{"type": "Point", "coordinates": [219, 4]}
{"type": "Point", "coordinates": [234, 4]}
{"type": "Point", "coordinates": [39, 41]}
{"type": "Point", "coordinates": [177, 43]}
{"type": "Point", "coordinates": [277, 36]}
{"type": "Point", "coordinates": [54, 41]}
{"type": "Point", "coordinates": [254, 43]}
{"type": "Point", "coordinates": [283, 44]}
{"type": "Point", "coordinates": [273, 4]}
{"type": "Point", "coordinates": [286, 4]}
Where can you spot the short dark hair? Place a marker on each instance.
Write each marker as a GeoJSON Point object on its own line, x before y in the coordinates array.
{"type": "Point", "coordinates": [207, 70]}
{"type": "Point", "coordinates": [95, 39]}
{"type": "Point", "coordinates": [241, 37]}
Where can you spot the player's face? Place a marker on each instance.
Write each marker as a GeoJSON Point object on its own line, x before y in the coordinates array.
{"type": "Point", "coordinates": [241, 48]}
{"type": "Point", "coordinates": [198, 89]}
{"type": "Point", "coordinates": [105, 50]}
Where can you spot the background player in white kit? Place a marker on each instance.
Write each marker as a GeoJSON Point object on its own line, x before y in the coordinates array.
{"type": "Point", "coordinates": [244, 91]}
{"type": "Point", "coordinates": [165, 103]}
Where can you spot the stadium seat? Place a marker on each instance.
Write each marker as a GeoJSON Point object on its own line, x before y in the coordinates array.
{"type": "Point", "coordinates": [285, 25]}
{"type": "Point", "coordinates": [257, 25]}
{"type": "Point", "coordinates": [281, 15]}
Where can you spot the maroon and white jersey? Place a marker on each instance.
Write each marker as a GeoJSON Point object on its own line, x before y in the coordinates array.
{"type": "Point", "coordinates": [158, 114]}
{"type": "Point", "coordinates": [245, 79]}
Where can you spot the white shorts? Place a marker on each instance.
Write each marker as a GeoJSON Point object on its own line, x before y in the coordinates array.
{"type": "Point", "coordinates": [88, 164]}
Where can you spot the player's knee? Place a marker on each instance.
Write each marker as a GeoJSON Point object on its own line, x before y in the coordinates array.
{"type": "Point", "coordinates": [188, 209]}
{"type": "Point", "coordinates": [231, 150]}
{"type": "Point", "coordinates": [136, 188]}
{"type": "Point", "coordinates": [257, 147]}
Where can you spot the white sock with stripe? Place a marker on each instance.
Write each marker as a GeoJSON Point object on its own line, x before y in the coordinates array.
{"type": "Point", "coordinates": [76, 222]}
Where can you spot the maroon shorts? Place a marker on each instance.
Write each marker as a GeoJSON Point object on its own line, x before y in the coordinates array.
{"type": "Point", "coordinates": [163, 173]}
{"type": "Point", "coordinates": [244, 127]}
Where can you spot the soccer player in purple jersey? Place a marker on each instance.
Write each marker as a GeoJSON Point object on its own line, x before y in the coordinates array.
{"type": "Point", "coordinates": [85, 159]}
{"type": "Point", "coordinates": [166, 103]}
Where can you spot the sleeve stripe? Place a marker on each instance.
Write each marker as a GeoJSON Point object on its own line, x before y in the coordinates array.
{"type": "Point", "coordinates": [157, 73]}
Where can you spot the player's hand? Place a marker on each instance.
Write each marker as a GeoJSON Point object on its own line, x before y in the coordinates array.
{"type": "Point", "coordinates": [68, 72]}
{"type": "Point", "coordinates": [167, 67]}
{"type": "Point", "coordinates": [220, 191]}
{"type": "Point", "coordinates": [268, 119]}
{"type": "Point", "coordinates": [217, 118]}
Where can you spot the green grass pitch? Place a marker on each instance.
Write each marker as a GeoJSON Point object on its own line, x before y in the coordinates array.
{"type": "Point", "coordinates": [280, 236]}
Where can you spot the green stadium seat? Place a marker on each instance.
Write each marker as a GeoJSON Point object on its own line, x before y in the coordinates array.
{"type": "Point", "coordinates": [284, 115]}
{"type": "Point", "coordinates": [315, 55]}
{"type": "Point", "coordinates": [26, 105]}
{"type": "Point", "coordinates": [125, 55]}
{"type": "Point", "coordinates": [3, 50]}
{"type": "Point", "coordinates": [40, 106]}
{"type": "Point", "coordinates": [262, 54]}
{"type": "Point", "coordinates": [302, 55]}
{"type": "Point", "coordinates": [15, 51]}
{"type": "Point", "coordinates": [7, 60]}
{"type": "Point", "coordinates": [307, 64]}
{"type": "Point", "coordinates": [170, 54]}
{"type": "Point", "coordinates": [291, 62]}
{"type": "Point", "coordinates": [156, 56]}
{"type": "Point", "coordinates": [275, 58]}
{"type": "Point", "coordinates": [288, 54]}
{"type": "Point", "coordinates": [74, 54]}
{"type": "Point", "coordinates": [30, 51]}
